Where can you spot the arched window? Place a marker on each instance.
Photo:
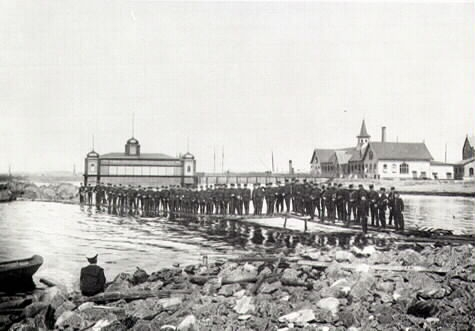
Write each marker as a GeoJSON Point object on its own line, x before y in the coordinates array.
{"type": "Point", "coordinates": [188, 169]}
{"type": "Point", "coordinates": [470, 172]}
{"type": "Point", "coordinates": [404, 168]}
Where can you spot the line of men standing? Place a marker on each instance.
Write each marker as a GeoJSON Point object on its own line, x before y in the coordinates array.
{"type": "Point", "coordinates": [327, 201]}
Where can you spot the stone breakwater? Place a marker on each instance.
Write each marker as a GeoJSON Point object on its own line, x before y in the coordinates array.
{"type": "Point", "coordinates": [418, 288]}
{"type": "Point", "coordinates": [63, 192]}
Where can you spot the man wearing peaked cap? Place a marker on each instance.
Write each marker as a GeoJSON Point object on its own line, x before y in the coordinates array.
{"type": "Point", "coordinates": [92, 279]}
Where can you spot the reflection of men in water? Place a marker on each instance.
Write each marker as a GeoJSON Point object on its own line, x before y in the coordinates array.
{"type": "Point", "coordinates": [92, 279]}
{"type": "Point", "coordinates": [398, 208]}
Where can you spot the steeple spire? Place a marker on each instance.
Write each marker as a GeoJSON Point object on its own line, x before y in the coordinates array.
{"type": "Point", "coordinates": [363, 131]}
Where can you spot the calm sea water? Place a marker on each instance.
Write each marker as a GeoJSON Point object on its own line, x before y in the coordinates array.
{"type": "Point", "coordinates": [63, 233]}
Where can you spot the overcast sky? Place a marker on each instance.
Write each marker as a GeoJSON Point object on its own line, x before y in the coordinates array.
{"type": "Point", "coordinates": [252, 77]}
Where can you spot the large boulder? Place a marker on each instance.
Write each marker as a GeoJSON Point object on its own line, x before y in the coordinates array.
{"type": "Point", "coordinates": [121, 283]}
{"type": "Point", "coordinates": [70, 320]}
{"type": "Point", "coordinates": [299, 318]}
{"type": "Point", "coordinates": [331, 304]}
{"type": "Point", "coordinates": [244, 305]}
{"type": "Point", "coordinates": [239, 274]}
{"type": "Point", "coordinates": [189, 323]}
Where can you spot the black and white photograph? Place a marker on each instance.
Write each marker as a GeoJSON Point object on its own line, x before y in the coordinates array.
{"type": "Point", "coordinates": [237, 165]}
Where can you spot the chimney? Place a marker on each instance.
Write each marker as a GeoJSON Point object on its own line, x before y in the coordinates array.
{"type": "Point", "coordinates": [291, 168]}
{"type": "Point", "coordinates": [383, 134]}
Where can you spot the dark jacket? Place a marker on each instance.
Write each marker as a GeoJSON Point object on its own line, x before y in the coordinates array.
{"type": "Point", "coordinates": [92, 280]}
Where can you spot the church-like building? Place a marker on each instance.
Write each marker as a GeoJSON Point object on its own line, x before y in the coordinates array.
{"type": "Point", "coordinates": [379, 159]}
{"type": "Point", "coordinates": [136, 168]}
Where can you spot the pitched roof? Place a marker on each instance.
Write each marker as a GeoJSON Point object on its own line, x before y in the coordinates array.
{"type": "Point", "coordinates": [440, 163]}
{"type": "Point", "coordinates": [142, 156]}
{"type": "Point", "coordinates": [400, 151]}
{"type": "Point", "coordinates": [343, 157]}
{"type": "Point", "coordinates": [363, 131]}
{"type": "Point", "coordinates": [324, 155]}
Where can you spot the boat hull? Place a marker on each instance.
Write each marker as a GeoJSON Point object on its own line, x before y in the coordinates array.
{"type": "Point", "coordinates": [19, 271]}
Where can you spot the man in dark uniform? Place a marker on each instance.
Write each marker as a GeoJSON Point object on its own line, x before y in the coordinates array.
{"type": "Point", "coordinates": [322, 202]}
{"type": "Point", "coordinates": [165, 196]}
{"type": "Point", "coordinates": [131, 200]}
{"type": "Point", "coordinates": [363, 210]}
{"type": "Point", "coordinates": [373, 205]}
{"type": "Point", "coordinates": [246, 198]}
{"type": "Point", "coordinates": [226, 199]}
{"type": "Point", "coordinates": [382, 205]}
{"type": "Point", "coordinates": [98, 195]}
{"type": "Point", "coordinates": [390, 205]}
{"type": "Point", "coordinates": [92, 280]}
{"type": "Point", "coordinates": [287, 193]}
{"type": "Point", "coordinates": [362, 193]}
{"type": "Point", "coordinates": [330, 202]}
{"type": "Point", "coordinates": [254, 198]}
{"type": "Point", "coordinates": [141, 198]}
{"type": "Point", "coordinates": [239, 202]}
{"type": "Point", "coordinates": [89, 194]}
{"type": "Point", "coordinates": [270, 199]}
{"type": "Point", "coordinates": [340, 203]}
{"type": "Point", "coordinates": [260, 194]}
{"type": "Point", "coordinates": [398, 208]}
{"type": "Point", "coordinates": [81, 193]}
{"type": "Point", "coordinates": [317, 195]}
{"type": "Point", "coordinates": [353, 204]}
{"type": "Point", "coordinates": [279, 197]}
{"type": "Point", "coordinates": [309, 200]}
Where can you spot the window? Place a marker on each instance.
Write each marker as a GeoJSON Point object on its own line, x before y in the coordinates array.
{"type": "Point", "coordinates": [449, 175]}
{"type": "Point", "coordinates": [385, 168]}
{"type": "Point", "coordinates": [188, 169]}
{"type": "Point", "coordinates": [404, 168]}
{"type": "Point", "coordinates": [423, 174]}
{"type": "Point", "coordinates": [470, 172]}
{"type": "Point", "coordinates": [370, 155]}
{"type": "Point", "coordinates": [435, 175]}
{"type": "Point", "coordinates": [394, 168]}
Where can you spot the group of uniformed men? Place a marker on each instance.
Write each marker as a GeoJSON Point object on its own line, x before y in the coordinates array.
{"type": "Point", "coordinates": [330, 201]}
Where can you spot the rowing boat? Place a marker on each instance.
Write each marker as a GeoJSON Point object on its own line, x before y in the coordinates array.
{"type": "Point", "coordinates": [17, 271]}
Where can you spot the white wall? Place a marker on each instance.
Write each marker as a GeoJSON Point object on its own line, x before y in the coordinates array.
{"type": "Point", "coordinates": [466, 173]}
{"type": "Point", "coordinates": [418, 166]}
{"type": "Point", "coordinates": [442, 171]}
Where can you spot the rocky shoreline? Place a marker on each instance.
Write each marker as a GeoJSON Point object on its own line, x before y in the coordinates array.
{"type": "Point", "coordinates": [418, 287]}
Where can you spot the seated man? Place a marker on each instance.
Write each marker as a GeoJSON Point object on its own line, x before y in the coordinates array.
{"type": "Point", "coordinates": [92, 279]}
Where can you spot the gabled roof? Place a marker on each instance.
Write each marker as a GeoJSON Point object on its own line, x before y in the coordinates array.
{"type": "Point", "coordinates": [363, 131]}
{"type": "Point", "coordinates": [400, 151]}
{"type": "Point", "coordinates": [142, 156]}
{"type": "Point", "coordinates": [323, 155]}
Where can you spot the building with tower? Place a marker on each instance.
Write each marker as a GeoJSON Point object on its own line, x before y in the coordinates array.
{"type": "Point", "coordinates": [379, 159]}
{"type": "Point", "coordinates": [136, 168]}
{"type": "Point", "coordinates": [341, 162]}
